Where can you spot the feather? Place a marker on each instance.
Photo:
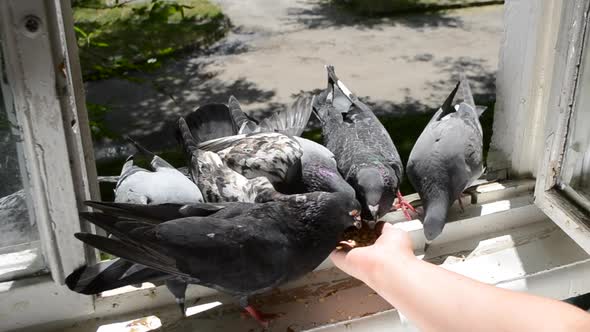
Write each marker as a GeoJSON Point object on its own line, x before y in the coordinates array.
{"type": "Point", "coordinates": [293, 120]}
{"type": "Point", "coordinates": [108, 275]}
{"type": "Point", "coordinates": [211, 121]}
{"type": "Point", "coordinates": [243, 121]}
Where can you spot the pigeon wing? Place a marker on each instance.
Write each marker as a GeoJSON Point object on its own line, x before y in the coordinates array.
{"type": "Point", "coordinates": [293, 120]}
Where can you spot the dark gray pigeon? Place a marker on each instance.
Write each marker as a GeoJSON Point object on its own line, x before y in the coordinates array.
{"type": "Point", "coordinates": [164, 185]}
{"type": "Point", "coordinates": [365, 154]}
{"type": "Point", "coordinates": [115, 273]}
{"type": "Point", "coordinates": [217, 181]}
{"type": "Point", "coordinates": [243, 249]}
{"type": "Point", "coordinates": [318, 168]}
{"type": "Point", "coordinates": [447, 158]}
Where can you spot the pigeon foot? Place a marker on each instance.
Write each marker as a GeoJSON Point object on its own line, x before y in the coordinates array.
{"type": "Point", "coordinates": [404, 205]}
{"type": "Point", "coordinates": [262, 318]}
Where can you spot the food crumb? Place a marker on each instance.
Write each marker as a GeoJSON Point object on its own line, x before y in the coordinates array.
{"type": "Point", "coordinates": [355, 238]}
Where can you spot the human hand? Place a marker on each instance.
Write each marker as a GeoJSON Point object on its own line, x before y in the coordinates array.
{"type": "Point", "coordinates": [366, 263]}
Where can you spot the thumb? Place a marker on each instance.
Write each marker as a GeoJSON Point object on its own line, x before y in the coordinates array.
{"type": "Point", "coordinates": [352, 262]}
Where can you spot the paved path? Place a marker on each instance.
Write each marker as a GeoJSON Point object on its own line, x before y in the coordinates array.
{"type": "Point", "coordinates": [278, 48]}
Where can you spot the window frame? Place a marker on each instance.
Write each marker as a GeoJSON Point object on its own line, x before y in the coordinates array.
{"type": "Point", "coordinates": [55, 52]}
{"type": "Point", "coordinates": [571, 33]}
{"type": "Point", "coordinates": [44, 81]}
{"type": "Point", "coordinates": [40, 78]}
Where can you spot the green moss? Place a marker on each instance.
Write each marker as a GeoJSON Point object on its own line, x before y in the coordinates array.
{"type": "Point", "coordinates": [116, 40]}
{"type": "Point", "coordinates": [105, 256]}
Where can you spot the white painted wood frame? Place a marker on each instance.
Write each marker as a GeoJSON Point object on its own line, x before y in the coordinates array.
{"type": "Point", "coordinates": [567, 34]}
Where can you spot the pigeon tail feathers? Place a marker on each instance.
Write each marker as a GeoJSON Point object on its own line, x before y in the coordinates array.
{"type": "Point", "coordinates": [211, 121]}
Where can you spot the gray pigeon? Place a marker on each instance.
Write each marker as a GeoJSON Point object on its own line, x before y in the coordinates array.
{"type": "Point", "coordinates": [270, 148]}
{"type": "Point", "coordinates": [243, 249]}
{"type": "Point", "coordinates": [447, 158]}
{"type": "Point", "coordinates": [164, 185]}
{"type": "Point", "coordinates": [365, 154]}
{"type": "Point", "coordinates": [319, 171]}
{"type": "Point", "coordinates": [139, 186]}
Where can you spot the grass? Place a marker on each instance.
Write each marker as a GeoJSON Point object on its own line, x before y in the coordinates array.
{"type": "Point", "coordinates": [393, 7]}
{"type": "Point", "coordinates": [404, 131]}
{"type": "Point", "coordinates": [116, 40]}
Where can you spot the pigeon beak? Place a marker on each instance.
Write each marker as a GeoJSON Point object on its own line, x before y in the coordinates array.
{"type": "Point", "coordinates": [426, 245]}
{"type": "Point", "coordinates": [357, 219]}
{"type": "Point", "coordinates": [374, 209]}
{"type": "Point", "coordinates": [358, 223]}
{"type": "Point", "coordinates": [180, 302]}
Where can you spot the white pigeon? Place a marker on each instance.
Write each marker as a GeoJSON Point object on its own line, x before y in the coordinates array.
{"type": "Point", "coordinates": [165, 184]}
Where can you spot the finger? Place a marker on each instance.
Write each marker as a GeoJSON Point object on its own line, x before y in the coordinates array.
{"type": "Point", "coordinates": [341, 261]}
{"type": "Point", "coordinates": [390, 232]}
{"type": "Point", "coordinates": [394, 235]}
{"type": "Point", "coordinates": [353, 262]}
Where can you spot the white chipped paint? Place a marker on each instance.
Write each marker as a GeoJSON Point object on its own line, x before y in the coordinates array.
{"type": "Point", "coordinates": [201, 307]}
{"type": "Point", "coordinates": [523, 84]}
{"type": "Point", "coordinates": [142, 324]}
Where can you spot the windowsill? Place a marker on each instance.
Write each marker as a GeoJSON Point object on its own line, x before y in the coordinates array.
{"type": "Point", "coordinates": [20, 261]}
{"type": "Point", "coordinates": [501, 228]}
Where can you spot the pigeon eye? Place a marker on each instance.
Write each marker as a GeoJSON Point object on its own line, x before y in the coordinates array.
{"type": "Point", "coordinates": [354, 213]}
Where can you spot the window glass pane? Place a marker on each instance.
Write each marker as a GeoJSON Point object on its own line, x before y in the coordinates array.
{"type": "Point", "coordinates": [20, 251]}
{"type": "Point", "coordinates": [575, 173]}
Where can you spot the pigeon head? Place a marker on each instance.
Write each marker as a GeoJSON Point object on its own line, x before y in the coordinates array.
{"type": "Point", "coordinates": [433, 226]}
{"type": "Point", "coordinates": [375, 188]}
{"type": "Point", "coordinates": [346, 208]}
{"type": "Point", "coordinates": [334, 210]}
{"type": "Point", "coordinates": [435, 216]}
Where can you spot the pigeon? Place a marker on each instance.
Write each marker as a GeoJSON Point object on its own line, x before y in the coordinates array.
{"type": "Point", "coordinates": [272, 155]}
{"type": "Point", "coordinates": [318, 170]}
{"type": "Point", "coordinates": [140, 186]}
{"type": "Point", "coordinates": [365, 154]}
{"type": "Point", "coordinates": [447, 158]}
{"type": "Point", "coordinates": [291, 122]}
{"type": "Point", "coordinates": [218, 182]}
{"type": "Point", "coordinates": [211, 121]}
{"type": "Point", "coordinates": [107, 275]}
{"type": "Point", "coordinates": [243, 249]}
{"type": "Point", "coordinates": [164, 185]}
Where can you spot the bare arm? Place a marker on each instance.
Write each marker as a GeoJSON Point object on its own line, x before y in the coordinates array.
{"type": "Point", "coordinates": [439, 300]}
